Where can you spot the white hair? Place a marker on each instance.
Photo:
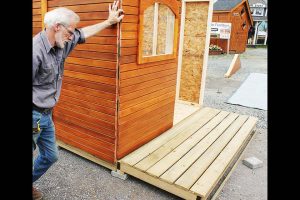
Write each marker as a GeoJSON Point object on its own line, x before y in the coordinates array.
{"type": "Point", "coordinates": [60, 15]}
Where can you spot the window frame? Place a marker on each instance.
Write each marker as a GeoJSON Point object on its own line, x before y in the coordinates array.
{"type": "Point", "coordinates": [144, 4]}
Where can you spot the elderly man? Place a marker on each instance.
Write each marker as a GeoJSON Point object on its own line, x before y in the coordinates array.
{"type": "Point", "coordinates": [50, 48]}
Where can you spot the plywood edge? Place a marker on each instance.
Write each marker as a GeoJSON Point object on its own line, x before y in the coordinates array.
{"type": "Point", "coordinates": [234, 66]}
{"type": "Point", "coordinates": [157, 182]}
{"type": "Point", "coordinates": [86, 155]}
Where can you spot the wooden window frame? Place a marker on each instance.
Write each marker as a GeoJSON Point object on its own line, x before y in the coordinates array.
{"type": "Point", "coordinates": [144, 4]}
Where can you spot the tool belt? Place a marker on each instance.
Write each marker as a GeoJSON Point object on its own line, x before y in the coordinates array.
{"type": "Point", "coordinates": [41, 110]}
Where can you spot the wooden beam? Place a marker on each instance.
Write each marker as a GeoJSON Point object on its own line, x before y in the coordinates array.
{"type": "Point", "coordinates": [86, 155]}
{"type": "Point", "coordinates": [44, 8]}
{"type": "Point", "coordinates": [206, 51]}
{"type": "Point", "coordinates": [234, 66]}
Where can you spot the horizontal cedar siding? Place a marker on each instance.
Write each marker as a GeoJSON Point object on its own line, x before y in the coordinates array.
{"type": "Point", "coordinates": [86, 110]}
{"type": "Point", "coordinates": [36, 17]}
{"type": "Point", "coordinates": [147, 91]}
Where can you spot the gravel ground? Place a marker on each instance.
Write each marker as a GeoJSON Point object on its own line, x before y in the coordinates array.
{"type": "Point", "coordinates": [73, 177]}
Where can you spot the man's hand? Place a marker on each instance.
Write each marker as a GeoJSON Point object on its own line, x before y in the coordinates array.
{"type": "Point", "coordinates": [113, 18]}
{"type": "Point", "coordinates": [114, 13]}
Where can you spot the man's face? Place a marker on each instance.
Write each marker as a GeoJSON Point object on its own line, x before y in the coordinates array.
{"type": "Point", "coordinates": [64, 34]}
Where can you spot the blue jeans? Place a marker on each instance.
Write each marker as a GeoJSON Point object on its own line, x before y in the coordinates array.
{"type": "Point", "coordinates": [45, 140]}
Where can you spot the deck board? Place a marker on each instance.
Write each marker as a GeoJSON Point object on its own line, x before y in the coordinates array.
{"type": "Point", "coordinates": [190, 159]}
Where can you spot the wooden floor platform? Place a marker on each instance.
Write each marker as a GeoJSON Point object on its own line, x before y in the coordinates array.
{"type": "Point", "coordinates": [194, 158]}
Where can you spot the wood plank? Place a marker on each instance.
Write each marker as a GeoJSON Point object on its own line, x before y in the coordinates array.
{"type": "Point", "coordinates": [148, 70]}
{"type": "Point", "coordinates": [147, 116]}
{"type": "Point", "coordinates": [92, 62]}
{"type": "Point", "coordinates": [129, 26]}
{"type": "Point", "coordinates": [101, 40]}
{"type": "Point", "coordinates": [93, 129]}
{"type": "Point", "coordinates": [53, 3]}
{"type": "Point", "coordinates": [191, 174]}
{"type": "Point", "coordinates": [62, 137]}
{"type": "Point", "coordinates": [138, 100]}
{"type": "Point", "coordinates": [147, 77]}
{"type": "Point", "coordinates": [135, 66]}
{"type": "Point", "coordinates": [85, 97]}
{"type": "Point", "coordinates": [131, 96]}
{"type": "Point", "coordinates": [235, 65]}
{"type": "Point", "coordinates": [36, 4]}
{"type": "Point", "coordinates": [136, 115]}
{"type": "Point", "coordinates": [61, 108]}
{"type": "Point", "coordinates": [147, 85]}
{"type": "Point", "coordinates": [91, 70]}
{"type": "Point", "coordinates": [127, 35]}
{"type": "Point", "coordinates": [87, 139]}
{"type": "Point", "coordinates": [192, 148]}
{"type": "Point", "coordinates": [98, 48]}
{"type": "Point", "coordinates": [89, 105]}
{"type": "Point", "coordinates": [125, 51]}
{"type": "Point", "coordinates": [210, 177]}
{"type": "Point", "coordinates": [206, 124]}
{"type": "Point", "coordinates": [130, 19]}
{"type": "Point", "coordinates": [129, 43]}
{"type": "Point", "coordinates": [94, 55]}
{"type": "Point", "coordinates": [140, 130]}
{"type": "Point", "coordinates": [101, 16]}
{"type": "Point", "coordinates": [90, 77]}
{"type": "Point", "coordinates": [135, 108]}
{"type": "Point", "coordinates": [36, 11]}
{"type": "Point", "coordinates": [156, 182]}
{"type": "Point", "coordinates": [150, 147]}
{"type": "Point", "coordinates": [108, 120]}
{"type": "Point", "coordinates": [90, 84]}
{"type": "Point", "coordinates": [127, 59]}
{"type": "Point", "coordinates": [143, 139]}
{"type": "Point", "coordinates": [130, 3]}
{"type": "Point", "coordinates": [106, 96]}
{"type": "Point", "coordinates": [86, 155]}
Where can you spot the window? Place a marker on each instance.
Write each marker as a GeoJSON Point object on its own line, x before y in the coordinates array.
{"type": "Point", "coordinates": [244, 25]}
{"type": "Point", "coordinates": [158, 32]}
{"type": "Point", "coordinates": [242, 11]}
{"type": "Point", "coordinates": [258, 12]}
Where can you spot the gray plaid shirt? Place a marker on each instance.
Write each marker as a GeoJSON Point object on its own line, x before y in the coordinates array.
{"type": "Point", "coordinates": [48, 68]}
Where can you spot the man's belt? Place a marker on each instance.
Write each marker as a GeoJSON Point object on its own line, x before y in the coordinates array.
{"type": "Point", "coordinates": [41, 110]}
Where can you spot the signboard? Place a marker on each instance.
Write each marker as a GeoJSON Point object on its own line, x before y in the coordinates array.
{"type": "Point", "coordinates": [220, 30]}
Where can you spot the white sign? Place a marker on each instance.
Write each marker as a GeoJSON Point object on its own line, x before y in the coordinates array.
{"type": "Point", "coordinates": [220, 30]}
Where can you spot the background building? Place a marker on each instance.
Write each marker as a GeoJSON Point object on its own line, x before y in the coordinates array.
{"type": "Point", "coordinates": [259, 33]}
{"type": "Point", "coordinates": [236, 12]}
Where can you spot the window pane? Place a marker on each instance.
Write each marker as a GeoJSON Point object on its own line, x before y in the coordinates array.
{"type": "Point", "coordinates": [148, 31]}
{"type": "Point", "coordinates": [165, 32]}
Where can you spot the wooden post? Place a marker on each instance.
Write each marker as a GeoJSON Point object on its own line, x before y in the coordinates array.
{"type": "Point", "coordinates": [266, 37]}
{"type": "Point", "coordinates": [234, 66]}
{"type": "Point", "coordinates": [228, 44]}
{"type": "Point", "coordinates": [44, 7]}
{"type": "Point", "coordinates": [255, 33]}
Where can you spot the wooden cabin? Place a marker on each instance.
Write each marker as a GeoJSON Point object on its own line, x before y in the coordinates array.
{"type": "Point", "coordinates": [236, 12]}
{"type": "Point", "coordinates": [120, 87]}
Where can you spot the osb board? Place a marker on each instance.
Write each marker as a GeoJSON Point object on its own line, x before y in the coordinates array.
{"type": "Point", "coordinates": [193, 50]}
{"type": "Point", "coordinates": [148, 31]}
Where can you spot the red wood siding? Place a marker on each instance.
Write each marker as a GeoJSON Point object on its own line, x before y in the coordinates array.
{"type": "Point", "coordinates": [238, 38]}
{"type": "Point", "coordinates": [36, 17]}
{"type": "Point", "coordinates": [86, 112]}
{"type": "Point", "coordinates": [147, 91]}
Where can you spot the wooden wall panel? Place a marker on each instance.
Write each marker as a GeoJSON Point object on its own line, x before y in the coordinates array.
{"type": "Point", "coordinates": [36, 17]}
{"type": "Point", "coordinates": [86, 112]}
{"type": "Point", "coordinates": [146, 94]}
